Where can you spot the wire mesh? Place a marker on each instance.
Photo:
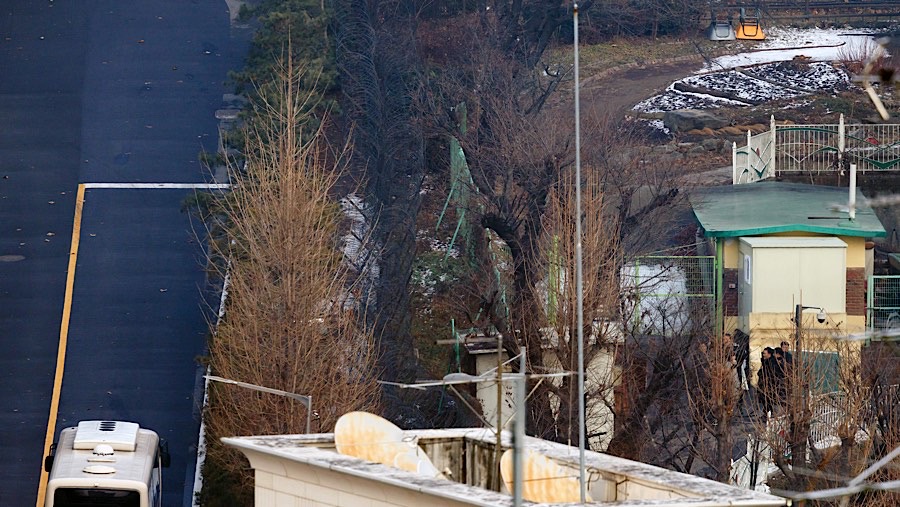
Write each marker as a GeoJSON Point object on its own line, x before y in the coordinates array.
{"type": "Point", "coordinates": [883, 307]}
{"type": "Point", "coordinates": [669, 293]}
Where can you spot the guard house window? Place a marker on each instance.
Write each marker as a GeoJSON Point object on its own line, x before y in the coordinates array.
{"type": "Point", "coordinates": [747, 264]}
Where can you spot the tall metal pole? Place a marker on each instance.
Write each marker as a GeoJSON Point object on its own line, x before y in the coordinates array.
{"type": "Point", "coordinates": [498, 447]}
{"type": "Point", "coordinates": [519, 433]}
{"type": "Point", "coordinates": [578, 281]}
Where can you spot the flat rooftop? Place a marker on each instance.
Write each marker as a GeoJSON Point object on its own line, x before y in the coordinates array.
{"type": "Point", "coordinates": [768, 207]}
{"type": "Point", "coordinates": [465, 455]}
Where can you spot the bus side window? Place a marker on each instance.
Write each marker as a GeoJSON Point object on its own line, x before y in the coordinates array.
{"type": "Point", "coordinates": [155, 489]}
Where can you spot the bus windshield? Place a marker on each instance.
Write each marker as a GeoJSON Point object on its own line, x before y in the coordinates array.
{"type": "Point", "coordinates": [94, 497]}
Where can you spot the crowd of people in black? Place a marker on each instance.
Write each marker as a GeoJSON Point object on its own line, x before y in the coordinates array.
{"type": "Point", "coordinates": [772, 377]}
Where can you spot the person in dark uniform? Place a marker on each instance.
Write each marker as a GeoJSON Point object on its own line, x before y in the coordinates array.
{"type": "Point", "coordinates": [780, 374]}
{"type": "Point", "coordinates": [742, 356]}
{"type": "Point", "coordinates": [765, 382]}
{"type": "Point", "coordinates": [788, 357]}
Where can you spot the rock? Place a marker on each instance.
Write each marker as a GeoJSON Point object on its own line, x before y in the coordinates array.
{"type": "Point", "coordinates": [683, 120]}
{"type": "Point", "coordinates": [664, 148]}
{"type": "Point", "coordinates": [711, 144]}
{"type": "Point", "coordinates": [756, 128]}
{"type": "Point", "coordinates": [694, 149]}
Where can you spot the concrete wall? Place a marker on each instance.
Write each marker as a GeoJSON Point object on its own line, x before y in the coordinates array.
{"type": "Point", "coordinates": [601, 376]}
{"type": "Point", "coordinates": [304, 470]}
{"type": "Point", "coordinates": [287, 483]}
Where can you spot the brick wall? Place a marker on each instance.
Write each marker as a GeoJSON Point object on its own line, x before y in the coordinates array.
{"type": "Point", "coordinates": [856, 291]}
{"type": "Point", "coordinates": [730, 292]}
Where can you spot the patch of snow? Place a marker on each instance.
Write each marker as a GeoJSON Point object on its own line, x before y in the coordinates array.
{"type": "Point", "coordinates": [815, 77]}
{"type": "Point", "coordinates": [768, 71]}
{"type": "Point", "coordinates": [439, 246]}
{"type": "Point", "coordinates": [659, 125]}
{"type": "Point", "coordinates": [673, 99]}
{"type": "Point", "coordinates": [425, 280]}
{"type": "Point", "coordinates": [798, 105]}
{"type": "Point", "coordinates": [783, 44]}
{"type": "Point", "coordinates": [354, 249]}
{"type": "Point", "coordinates": [741, 87]}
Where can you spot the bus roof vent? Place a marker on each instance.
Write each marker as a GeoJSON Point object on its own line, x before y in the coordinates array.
{"type": "Point", "coordinates": [118, 435]}
{"type": "Point", "coordinates": [98, 469]}
{"type": "Point", "coordinates": [103, 453]}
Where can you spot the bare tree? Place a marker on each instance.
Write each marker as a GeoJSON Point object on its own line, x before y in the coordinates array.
{"type": "Point", "coordinates": [713, 394]}
{"type": "Point", "coordinates": [651, 407]}
{"type": "Point", "coordinates": [556, 292]}
{"type": "Point", "coordinates": [833, 419]}
{"type": "Point", "coordinates": [379, 69]}
{"type": "Point", "coordinates": [290, 321]}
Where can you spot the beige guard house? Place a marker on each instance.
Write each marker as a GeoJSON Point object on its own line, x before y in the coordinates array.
{"type": "Point", "coordinates": [779, 245]}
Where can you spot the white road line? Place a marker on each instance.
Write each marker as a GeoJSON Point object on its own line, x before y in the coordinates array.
{"type": "Point", "coordinates": [159, 185]}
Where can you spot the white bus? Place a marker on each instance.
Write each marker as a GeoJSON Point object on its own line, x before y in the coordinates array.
{"type": "Point", "coordinates": [106, 463]}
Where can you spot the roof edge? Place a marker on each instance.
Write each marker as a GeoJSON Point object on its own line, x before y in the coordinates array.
{"type": "Point", "coordinates": [832, 231]}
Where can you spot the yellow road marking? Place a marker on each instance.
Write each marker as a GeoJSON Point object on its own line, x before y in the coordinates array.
{"type": "Point", "coordinates": [63, 338]}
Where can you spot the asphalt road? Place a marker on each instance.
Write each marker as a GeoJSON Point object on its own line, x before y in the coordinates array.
{"type": "Point", "coordinates": [104, 91]}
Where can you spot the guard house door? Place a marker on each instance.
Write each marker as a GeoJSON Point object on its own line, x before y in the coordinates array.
{"type": "Point", "coordinates": [778, 272]}
{"type": "Point", "coordinates": [745, 287]}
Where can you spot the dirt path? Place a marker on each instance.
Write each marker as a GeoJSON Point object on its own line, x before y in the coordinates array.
{"type": "Point", "coordinates": [619, 91]}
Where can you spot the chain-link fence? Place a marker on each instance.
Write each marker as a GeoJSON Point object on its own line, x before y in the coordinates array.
{"type": "Point", "coordinates": [883, 302]}
{"type": "Point", "coordinates": [670, 294]}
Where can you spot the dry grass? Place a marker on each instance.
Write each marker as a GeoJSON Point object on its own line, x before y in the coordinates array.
{"type": "Point", "coordinates": [640, 51]}
{"type": "Point", "coordinates": [855, 56]}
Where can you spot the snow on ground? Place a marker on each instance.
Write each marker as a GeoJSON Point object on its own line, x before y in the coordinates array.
{"type": "Point", "coordinates": [673, 99]}
{"type": "Point", "coordinates": [743, 88]}
{"type": "Point", "coordinates": [768, 71]}
{"type": "Point", "coordinates": [783, 44]}
{"type": "Point", "coordinates": [813, 77]}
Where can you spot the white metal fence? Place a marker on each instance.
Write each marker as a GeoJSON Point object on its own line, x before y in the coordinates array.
{"type": "Point", "coordinates": [756, 160]}
{"type": "Point", "coordinates": [816, 148]}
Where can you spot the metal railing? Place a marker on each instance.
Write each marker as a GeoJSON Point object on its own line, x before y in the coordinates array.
{"type": "Point", "coordinates": [755, 161]}
{"type": "Point", "coordinates": [833, 412]}
{"type": "Point", "coordinates": [816, 148]}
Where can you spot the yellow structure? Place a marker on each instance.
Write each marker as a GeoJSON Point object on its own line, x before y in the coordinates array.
{"type": "Point", "coordinates": [779, 245]}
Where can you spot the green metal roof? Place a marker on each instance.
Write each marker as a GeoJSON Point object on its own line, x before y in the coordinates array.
{"type": "Point", "coordinates": [768, 207]}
